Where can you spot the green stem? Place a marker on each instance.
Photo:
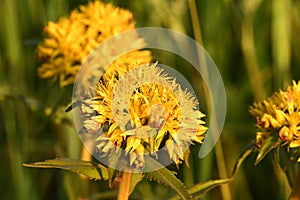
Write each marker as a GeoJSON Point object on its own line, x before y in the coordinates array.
{"type": "Point", "coordinates": [225, 190]}
{"type": "Point", "coordinates": [249, 50]}
{"type": "Point", "coordinates": [124, 188]}
{"type": "Point", "coordinates": [188, 174]}
{"type": "Point", "coordinates": [281, 40]}
{"type": "Point", "coordinates": [195, 21]}
{"type": "Point", "coordinates": [296, 189]}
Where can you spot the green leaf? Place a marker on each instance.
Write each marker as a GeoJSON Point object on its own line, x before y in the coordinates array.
{"type": "Point", "coordinates": [199, 189]}
{"type": "Point", "coordinates": [136, 178]}
{"type": "Point", "coordinates": [112, 175]}
{"type": "Point", "coordinates": [165, 176]}
{"type": "Point", "coordinates": [245, 153]}
{"type": "Point", "coordinates": [294, 156]}
{"type": "Point", "coordinates": [108, 194]}
{"type": "Point", "coordinates": [31, 103]}
{"type": "Point", "coordinates": [276, 156]}
{"type": "Point", "coordinates": [88, 169]}
{"type": "Point", "coordinates": [295, 194]}
{"type": "Point", "coordinates": [270, 143]}
{"type": "Point", "coordinates": [113, 163]}
{"type": "Point", "coordinates": [146, 190]}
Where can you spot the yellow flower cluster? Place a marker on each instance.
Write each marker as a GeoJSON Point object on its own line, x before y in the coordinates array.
{"type": "Point", "coordinates": [279, 114]}
{"type": "Point", "coordinates": [71, 39]}
{"type": "Point", "coordinates": [159, 114]}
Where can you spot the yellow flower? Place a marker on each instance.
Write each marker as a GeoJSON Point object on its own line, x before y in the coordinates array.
{"type": "Point", "coordinates": [279, 114]}
{"type": "Point", "coordinates": [69, 41]}
{"type": "Point", "coordinates": [144, 111]}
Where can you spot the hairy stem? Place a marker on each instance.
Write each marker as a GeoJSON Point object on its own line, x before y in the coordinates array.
{"type": "Point", "coordinates": [124, 188]}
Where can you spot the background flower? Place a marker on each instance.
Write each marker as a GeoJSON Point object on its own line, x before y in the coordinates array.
{"type": "Point", "coordinates": [71, 39]}
{"type": "Point", "coordinates": [280, 115]}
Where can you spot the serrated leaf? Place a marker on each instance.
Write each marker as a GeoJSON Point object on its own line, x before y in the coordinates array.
{"type": "Point", "coordinates": [136, 178]}
{"type": "Point", "coordinates": [200, 189]}
{"type": "Point", "coordinates": [270, 143]}
{"type": "Point", "coordinates": [165, 176]}
{"type": "Point", "coordinates": [245, 153]}
{"type": "Point", "coordinates": [88, 169]}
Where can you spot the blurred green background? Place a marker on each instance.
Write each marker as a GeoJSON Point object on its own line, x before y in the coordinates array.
{"type": "Point", "coordinates": [254, 43]}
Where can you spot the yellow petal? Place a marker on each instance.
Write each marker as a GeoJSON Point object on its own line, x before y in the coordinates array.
{"type": "Point", "coordinates": [170, 147]}
{"type": "Point", "coordinates": [133, 157]}
{"type": "Point", "coordinates": [295, 143]}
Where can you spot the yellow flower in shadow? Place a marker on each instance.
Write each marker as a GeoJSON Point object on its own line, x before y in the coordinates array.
{"type": "Point", "coordinates": [69, 41]}
{"type": "Point", "coordinates": [280, 114]}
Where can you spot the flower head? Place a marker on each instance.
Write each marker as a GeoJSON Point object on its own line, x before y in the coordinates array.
{"type": "Point", "coordinates": [142, 112]}
{"type": "Point", "coordinates": [280, 115]}
{"type": "Point", "coordinates": [69, 41]}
